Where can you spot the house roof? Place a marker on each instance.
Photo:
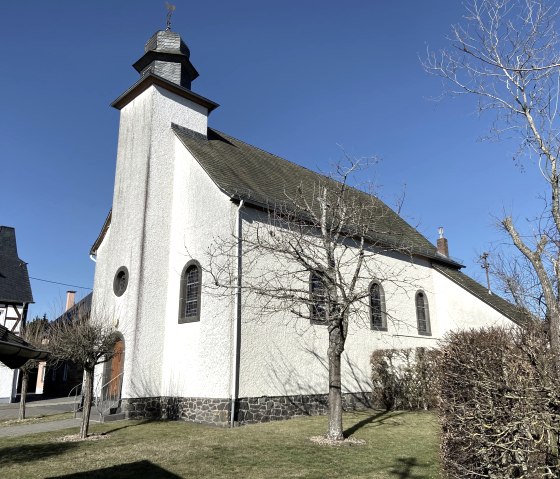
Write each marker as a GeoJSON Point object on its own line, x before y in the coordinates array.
{"type": "Point", "coordinates": [504, 307]}
{"type": "Point", "coordinates": [83, 306]}
{"type": "Point", "coordinates": [260, 178]}
{"type": "Point", "coordinates": [14, 278]}
{"type": "Point", "coordinates": [244, 172]}
{"type": "Point", "coordinates": [15, 352]}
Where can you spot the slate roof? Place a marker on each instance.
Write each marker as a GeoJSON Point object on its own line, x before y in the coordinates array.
{"type": "Point", "coordinates": [245, 172]}
{"type": "Point", "coordinates": [15, 352]}
{"type": "Point", "coordinates": [14, 278]}
{"type": "Point", "coordinates": [481, 292]}
{"type": "Point", "coordinates": [83, 307]}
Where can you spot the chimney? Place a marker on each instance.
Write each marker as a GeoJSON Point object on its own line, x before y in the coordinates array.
{"type": "Point", "coordinates": [70, 299]}
{"type": "Point", "coordinates": [442, 246]}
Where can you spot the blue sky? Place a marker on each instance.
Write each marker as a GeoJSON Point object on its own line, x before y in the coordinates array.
{"type": "Point", "coordinates": [299, 79]}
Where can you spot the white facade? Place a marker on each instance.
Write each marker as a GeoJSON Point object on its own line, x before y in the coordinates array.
{"type": "Point", "coordinates": [170, 212]}
{"type": "Point", "coordinates": [167, 210]}
{"type": "Point", "coordinates": [11, 317]}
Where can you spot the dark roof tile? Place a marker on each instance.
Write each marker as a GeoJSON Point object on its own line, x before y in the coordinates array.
{"type": "Point", "coordinates": [14, 278]}
{"type": "Point", "coordinates": [245, 172]}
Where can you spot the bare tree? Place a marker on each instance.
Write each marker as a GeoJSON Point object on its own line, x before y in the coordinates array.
{"type": "Point", "coordinates": [87, 339]}
{"type": "Point", "coordinates": [34, 333]}
{"type": "Point", "coordinates": [506, 54]}
{"type": "Point", "coordinates": [313, 256]}
{"type": "Point", "coordinates": [515, 279]}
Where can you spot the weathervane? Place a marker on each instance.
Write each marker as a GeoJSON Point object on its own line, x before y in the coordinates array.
{"type": "Point", "coordinates": [170, 10]}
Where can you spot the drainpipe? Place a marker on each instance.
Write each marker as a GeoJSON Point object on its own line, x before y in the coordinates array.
{"type": "Point", "coordinates": [237, 325]}
{"type": "Point", "coordinates": [93, 257]}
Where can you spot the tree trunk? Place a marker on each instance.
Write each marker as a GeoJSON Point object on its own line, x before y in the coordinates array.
{"type": "Point", "coordinates": [23, 397]}
{"type": "Point", "coordinates": [335, 385]}
{"type": "Point", "coordinates": [88, 399]}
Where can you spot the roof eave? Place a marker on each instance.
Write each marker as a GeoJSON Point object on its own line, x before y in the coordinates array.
{"type": "Point", "coordinates": [16, 355]}
{"type": "Point", "coordinates": [150, 79]}
{"type": "Point", "coordinates": [102, 233]}
{"type": "Point", "coordinates": [17, 302]}
{"type": "Point", "coordinates": [236, 198]}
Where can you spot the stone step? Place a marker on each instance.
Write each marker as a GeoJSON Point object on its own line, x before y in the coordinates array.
{"type": "Point", "coordinates": [113, 414]}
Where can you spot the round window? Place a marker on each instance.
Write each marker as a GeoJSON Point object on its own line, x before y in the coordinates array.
{"type": "Point", "coordinates": [121, 281]}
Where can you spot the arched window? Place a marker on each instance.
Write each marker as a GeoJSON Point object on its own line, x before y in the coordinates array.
{"type": "Point", "coordinates": [423, 314]}
{"type": "Point", "coordinates": [189, 302]}
{"type": "Point", "coordinates": [317, 295]}
{"type": "Point", "coordinates": [377, 307]}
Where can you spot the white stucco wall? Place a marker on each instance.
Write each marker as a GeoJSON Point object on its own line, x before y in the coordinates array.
{"type": "Point", "coordinates": [197, 355]}
{"type": "Point", "coordinates": [139, 235]}
{"type": "Point", "coordinates": [8, 383]}
{"type": "Point", "coordinates": [285, 355]}
{"type": "Point", "coordinates": [461, 310]}
{"type": "Point", "coordinates": [167, 211]}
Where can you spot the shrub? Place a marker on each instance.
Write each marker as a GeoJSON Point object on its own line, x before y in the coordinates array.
{"type": "Point", "coordinates": [404, 378]}
{"type": "Point", "coordinates": [499, 404]}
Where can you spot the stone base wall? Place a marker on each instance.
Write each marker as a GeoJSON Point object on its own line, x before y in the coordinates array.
{"type": "Point", "coordinates": [269, 408]}
{"type": "Point", "coordinates": [252, 410]}
{"type": "Point", "coordinates": [204, 410]}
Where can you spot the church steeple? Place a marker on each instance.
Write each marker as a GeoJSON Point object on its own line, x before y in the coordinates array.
{"type": "Point", "coordinates": [167, 56]}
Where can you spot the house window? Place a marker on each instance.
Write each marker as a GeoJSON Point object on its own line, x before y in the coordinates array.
{"type": "Point", "coordinates": [423, 314]}
{"type": "Point", "coordinates": [189, 303]}
{"type": "Point", "coordinates": [317, 296]}
{"type": "Point", "coordinates": [377, 307]}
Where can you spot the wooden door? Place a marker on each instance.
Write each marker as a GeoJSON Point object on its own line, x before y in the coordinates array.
{"type": "Point", "coordinates": [116, 369]}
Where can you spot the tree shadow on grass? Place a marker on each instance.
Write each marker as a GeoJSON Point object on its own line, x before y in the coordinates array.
{"type": "Point", "coordinates": [378, 418]}
{"type": "Point", "coordinates": [33, 452]}
{"type": "Point", "coordinates": [403, 468]}
{"type": "Point", "coordinates": [123, 471]}
{"type": "Point", "coordinates": [128, 424]}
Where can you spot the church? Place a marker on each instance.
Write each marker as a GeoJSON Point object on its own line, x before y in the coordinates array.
{"type": "Point", "coordinates": [185, 351]}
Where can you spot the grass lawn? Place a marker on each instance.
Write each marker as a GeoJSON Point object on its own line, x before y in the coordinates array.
{"type": "Point", "coordinates": [400, 445]}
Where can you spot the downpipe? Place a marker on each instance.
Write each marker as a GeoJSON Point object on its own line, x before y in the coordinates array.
{"type": "Point", "coordinates": [237, 325]}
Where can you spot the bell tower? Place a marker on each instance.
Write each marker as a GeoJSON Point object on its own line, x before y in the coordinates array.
{"type": "Point", "coordinates": [167, 56]}
{"type": "Point", "coordinates": [138, 238]}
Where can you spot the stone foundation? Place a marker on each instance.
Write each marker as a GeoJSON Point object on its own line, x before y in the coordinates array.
{"type": "Point", "coordinates": [270, 408]}
{"type": "Point", "coordinates": [204, 410]}
{"type": "Point", "coordinates": [252, 410]}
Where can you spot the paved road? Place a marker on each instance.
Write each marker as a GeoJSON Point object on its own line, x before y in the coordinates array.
{"type": "Point", "coordinates": [36, 407]}
{"type": "Point", "coordinates": [22, 430]}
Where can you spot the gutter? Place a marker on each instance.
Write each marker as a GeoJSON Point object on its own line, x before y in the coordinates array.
{"type": "Point", "coordinates": [27, 352]}
{"type": "Point", "coordinates": [237, 325]}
